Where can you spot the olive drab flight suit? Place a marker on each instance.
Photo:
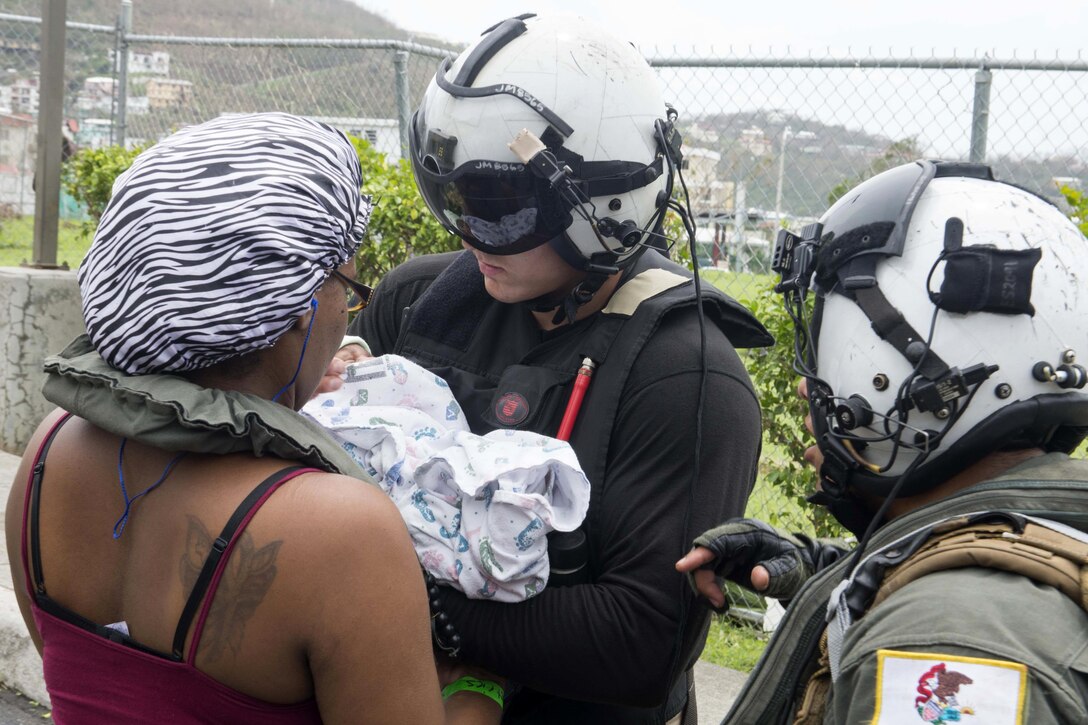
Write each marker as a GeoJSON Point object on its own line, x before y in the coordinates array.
{"type": "Point", "coordinates": [971, 609]}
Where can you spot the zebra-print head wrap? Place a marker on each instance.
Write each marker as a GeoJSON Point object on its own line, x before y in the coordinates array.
{"type": "Point", "coordinates": [216, 240]}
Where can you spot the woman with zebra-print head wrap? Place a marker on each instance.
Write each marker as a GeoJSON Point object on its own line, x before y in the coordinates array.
{"type": "Point", "coordinates": [159, 576]}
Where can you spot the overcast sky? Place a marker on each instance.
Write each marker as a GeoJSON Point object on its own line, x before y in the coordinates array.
{"type": "Point", "coordinates": [998, 26]}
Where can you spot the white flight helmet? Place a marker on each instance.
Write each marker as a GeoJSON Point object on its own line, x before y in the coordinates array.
{"type": "Point", "coordinates": [951, 321]}
{"type": "Point", "coordinates": [588, 175]}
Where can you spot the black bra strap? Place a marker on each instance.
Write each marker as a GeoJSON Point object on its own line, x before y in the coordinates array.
{"type": "Point", "coordinates": [35, 506]}
{"type": "Point", "coordinates": [218, 547]}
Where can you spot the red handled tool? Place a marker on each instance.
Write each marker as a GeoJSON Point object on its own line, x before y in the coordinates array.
{"type": "Point", "coordinates": [581, 382]}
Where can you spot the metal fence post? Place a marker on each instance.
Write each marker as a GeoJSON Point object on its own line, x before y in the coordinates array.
{"type": "Point", "coordinates": [786, 133]}
{"type": "Point", "coordinates": [404, 112]}
{"type": "Point", "coordinates": [50, 136]}
{"type": "Point", "coordinates": [740, 224]}
{"type": "Point", "coordinates": [124, 29]}
{"type": "Point", "coordinates": [980, 113]}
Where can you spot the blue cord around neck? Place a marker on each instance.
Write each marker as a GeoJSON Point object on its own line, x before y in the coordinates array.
{"type": "Point", "coordinates": [305, 342]}
{"type": "Point", "coordinates": [119, 527]}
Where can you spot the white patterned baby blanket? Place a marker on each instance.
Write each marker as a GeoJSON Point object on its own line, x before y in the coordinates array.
{"type": "Point", "coordinates": [478, 507]}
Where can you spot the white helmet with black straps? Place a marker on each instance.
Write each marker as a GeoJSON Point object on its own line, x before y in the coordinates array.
{"type": "Point", "coordinates": [950, 321]}
{"type": "Point", "coordinates": [587, 173]}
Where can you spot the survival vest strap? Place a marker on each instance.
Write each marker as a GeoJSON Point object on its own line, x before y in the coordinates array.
{"type": "Point", "coordinates": [452, 326]}
{"type": "Point", "coordinates": [1044, 554]}
{"type": "Point", "coordinates": [817, 691]}
{"type": "Point", "coordinates": [1044, 551]}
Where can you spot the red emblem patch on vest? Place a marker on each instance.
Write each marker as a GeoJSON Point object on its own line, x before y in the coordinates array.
{"type": "Point", "coordinates": [511, 408]}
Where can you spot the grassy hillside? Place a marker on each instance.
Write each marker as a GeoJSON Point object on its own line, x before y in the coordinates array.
{"type": "Point", "coordinates": [318, 81]}
{"type": "Point", "coordinates": [248, 18]}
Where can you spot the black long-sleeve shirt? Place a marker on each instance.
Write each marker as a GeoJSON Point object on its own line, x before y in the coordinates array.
{"type": "Point", "coordinates": [615, 640]}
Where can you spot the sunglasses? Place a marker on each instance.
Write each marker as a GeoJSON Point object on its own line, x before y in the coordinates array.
{"type": "Point", "coordinates": [358, 293]}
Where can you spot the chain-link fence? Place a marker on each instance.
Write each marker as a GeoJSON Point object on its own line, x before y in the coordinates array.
{"type": "Point", "coordinates": [88, 55]}
{"type": "Point", "coordinates": [768, 140]}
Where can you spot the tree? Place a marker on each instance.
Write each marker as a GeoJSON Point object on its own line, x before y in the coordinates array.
{"type": "Point", "coordinates": [1078, 206]}
{"type": "Point", "coordinates": [400, 226]}
{"type": "Point", "coordinates": [89, 175]}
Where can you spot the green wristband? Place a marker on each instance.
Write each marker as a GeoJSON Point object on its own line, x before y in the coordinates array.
{"type": "Point", "coordinates": [475, 684]}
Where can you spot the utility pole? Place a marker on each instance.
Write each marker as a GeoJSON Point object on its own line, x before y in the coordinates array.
{"type": "Point", "coordinates": [50, 138]}
{"type": "Point", "coordinates": [120, 86]}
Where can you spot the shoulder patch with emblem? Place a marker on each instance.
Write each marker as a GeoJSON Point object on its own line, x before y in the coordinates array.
{"type": "Point", "coordinates": [926, 687]}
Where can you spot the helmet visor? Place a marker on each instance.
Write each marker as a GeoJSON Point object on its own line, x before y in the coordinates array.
{"type": "Point", "coordinates": [499, 207]}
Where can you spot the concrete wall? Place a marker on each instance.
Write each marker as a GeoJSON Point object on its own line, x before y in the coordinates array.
{"type": "Point", "coordinates": [39, 315]}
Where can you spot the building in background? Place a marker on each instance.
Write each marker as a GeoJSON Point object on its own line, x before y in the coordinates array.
{"type": "Point", "coordinates": [24, 95]}
{"type": "Point", "coordinates": [755, 141]}
{"type": "Point", "coordinates": [165, 93]}
{"type": "Point", "coordinates": [155, 63]}
{"type": "Point", "coordinates": [709, 194]}
{"type": "Point", "coordinates": [97, 94]}
{"type": "Point", "coordinates": [381, 133]}
{"type": "Point", "coordinates": [94, 133]}
{"type": "Point", "coordinates": [18, 151]}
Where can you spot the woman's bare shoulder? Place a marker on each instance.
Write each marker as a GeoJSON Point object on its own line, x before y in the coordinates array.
{"type": "Point", "coordinates": [330, 512]}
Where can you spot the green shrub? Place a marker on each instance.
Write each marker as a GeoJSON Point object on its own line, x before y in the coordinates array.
{"type": "Point", "coordinates": [401, 226]}
{"type": "Point", "coordinates": [1078, 206]}
{"type": "Point", "coordinates": [771, 369]}
{"type": "Point", "coordinates": [89, 175]}
{"type": "Point", "coordinates": [783, 411]}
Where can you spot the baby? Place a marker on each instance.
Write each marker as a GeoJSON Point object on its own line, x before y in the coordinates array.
{"type": "Point", "coordinates": [478, 507]}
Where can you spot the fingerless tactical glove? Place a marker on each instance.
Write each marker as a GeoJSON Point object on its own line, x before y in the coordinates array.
{"type": "Point", "coordinates": [740, 544]}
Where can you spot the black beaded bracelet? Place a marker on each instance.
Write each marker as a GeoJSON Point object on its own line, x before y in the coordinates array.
{"type": "Point", "coordinates": [442, 630]}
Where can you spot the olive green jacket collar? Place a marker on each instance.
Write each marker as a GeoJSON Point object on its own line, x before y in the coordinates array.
{"type": "Point", "coordinates": [169, 412]}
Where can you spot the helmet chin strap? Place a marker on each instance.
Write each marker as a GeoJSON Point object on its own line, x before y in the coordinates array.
{"type": "Point", "coordinates": [848, 510]}
{"type": "Point", "coordinates": [583, 292]}
{"type": "Point", "coordinates": [566, 303]}
{"type": "Point", "coordinates": [835, 490]}
{"type": "Point", "coordinates": [598, 268]}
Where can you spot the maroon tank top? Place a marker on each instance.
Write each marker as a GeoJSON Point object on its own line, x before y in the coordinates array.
{"type": "Point", "coordinates": [97, 675]}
